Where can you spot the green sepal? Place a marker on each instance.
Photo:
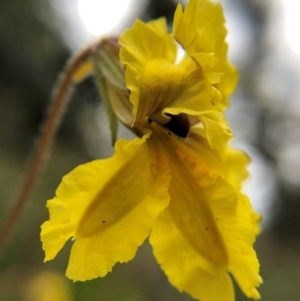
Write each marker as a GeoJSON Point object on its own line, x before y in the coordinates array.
{"type": "Point", "coordinates": [103, 89]}
{"type": "Point", "coordinates": [106, 57]}
{"type": "Point", "coordinates": [110, 79]}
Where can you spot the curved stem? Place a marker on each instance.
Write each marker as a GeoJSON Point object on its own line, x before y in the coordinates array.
{"type": "Point", "coordinates": [76, 71]}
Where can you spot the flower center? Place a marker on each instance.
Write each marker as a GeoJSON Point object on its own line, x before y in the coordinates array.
{"type": "Point", "coordinates": [161, 83]}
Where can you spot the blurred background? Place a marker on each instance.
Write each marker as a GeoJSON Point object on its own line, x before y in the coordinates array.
{"type": "Point", "coordinates": [38, 37]}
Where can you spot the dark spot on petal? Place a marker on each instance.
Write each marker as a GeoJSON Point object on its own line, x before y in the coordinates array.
{"type": "Point", "coordinates": [103, 222]}
{"type": "Point", "coordinates": [179, 125]}
{"type": "Point", "coordinates": [206, 228]}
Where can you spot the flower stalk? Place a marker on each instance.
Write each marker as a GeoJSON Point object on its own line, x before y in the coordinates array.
{"type": "Point", "coordinates": [77, 70]}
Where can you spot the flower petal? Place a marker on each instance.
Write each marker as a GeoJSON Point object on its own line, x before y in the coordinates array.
{"type": "Point", "coordinates": [217, 129]}
{"type": "Point", "coordinates": [239, 228]}
{"type": "Point", "coordinates": [236, 162]}
{"type": "Point", "coordinates": [189, 205]}
{"type": "Point", "coordinates": [154, 44]}
{"type": "Point", "coordinates": [239, 233]}
{"type": "Point", "coordinates": [200, 99]}
{"type": "Point", "coordinates": [197, 97]}
{"type": "Point", "coordinates": [200, 27]}
{"type": "Point", "coordinates": [186, 269]}
{"type": "Point", "coordinates": [200, 30]}
{"type": "Point", "coordinates": [109, 206]}
{"type": "Point", "coordinates": [217, 204]}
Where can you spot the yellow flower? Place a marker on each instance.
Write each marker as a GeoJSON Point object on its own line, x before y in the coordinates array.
{"type": "Point", "coordinates": [178, 182]}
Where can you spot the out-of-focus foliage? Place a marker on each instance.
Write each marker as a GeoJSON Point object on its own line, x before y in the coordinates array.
{"type": "Point", "coordinates": [264, 115]}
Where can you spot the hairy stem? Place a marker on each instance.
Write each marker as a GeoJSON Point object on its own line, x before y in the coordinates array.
{"type": "Point", "coordinates": [76, 71]}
